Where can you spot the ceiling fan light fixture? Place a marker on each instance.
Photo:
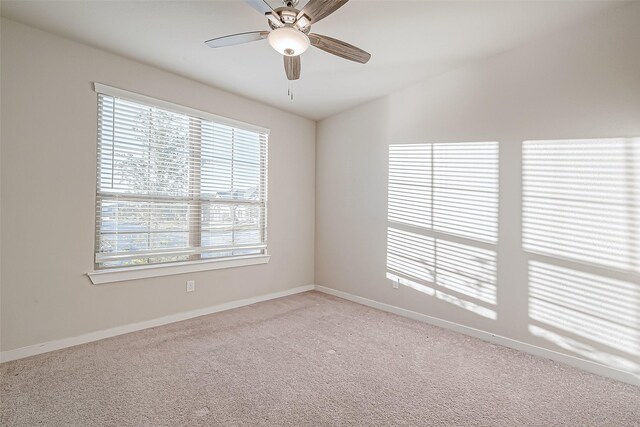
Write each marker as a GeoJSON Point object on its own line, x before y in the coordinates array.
{"type": "Point", "coordinates": [288, 41]}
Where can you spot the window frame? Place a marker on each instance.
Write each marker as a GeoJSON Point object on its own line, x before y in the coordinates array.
{"type": "Point", "coordinates": [101, 275]}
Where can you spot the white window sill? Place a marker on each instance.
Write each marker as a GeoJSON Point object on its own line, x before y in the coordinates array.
{"type": "Point", "coordinates": [142, 272]}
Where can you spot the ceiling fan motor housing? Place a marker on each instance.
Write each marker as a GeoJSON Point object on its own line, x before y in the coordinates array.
{"type": "Point", "coordinates": [288, 16]}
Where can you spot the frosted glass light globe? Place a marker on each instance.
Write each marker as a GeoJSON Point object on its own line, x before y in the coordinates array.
{"type": "Point", "coordinates": [288, 41]}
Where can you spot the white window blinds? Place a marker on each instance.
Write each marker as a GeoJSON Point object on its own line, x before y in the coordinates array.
{"type": "Point", "coordinates": [175, 186]}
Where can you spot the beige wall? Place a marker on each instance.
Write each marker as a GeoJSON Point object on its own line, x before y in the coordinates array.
{"type": "Point", "coordinates": [583, 82]}
{"type": "Point", "coordinates": [48, 193]}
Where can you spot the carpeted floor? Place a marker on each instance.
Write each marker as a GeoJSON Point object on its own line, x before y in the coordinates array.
{"type": "Point", "coordinates": [307, 359]}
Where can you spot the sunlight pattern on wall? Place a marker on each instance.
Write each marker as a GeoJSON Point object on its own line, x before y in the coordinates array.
{"type": "Point", "coordinates": [452, 188]}
{"type": "Point", "coordinates": [581, 216]}
{"type": "Point", "coordinates": [581, 200]}
{"type": "Point", "coordinates": [410, 185]}
{"type": "Point", "coordinates": [411, 254]}
{"type": "Point", "coordinates": [467, 270]}
{"type": "Point", "coordinates": [465, 190]}
{"type": "Point", "coordinates": [595, 307]}
{"type": "Point", "coordinates": [585, 350]}
{"type": "Point", "coordinates": [443, 221]}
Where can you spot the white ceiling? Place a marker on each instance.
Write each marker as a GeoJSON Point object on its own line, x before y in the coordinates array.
{"type": "Point", "coordinates": [408, 40]}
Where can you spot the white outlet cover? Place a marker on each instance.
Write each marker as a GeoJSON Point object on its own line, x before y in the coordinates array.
{"type": "Point", "coordinates": [191, 285]}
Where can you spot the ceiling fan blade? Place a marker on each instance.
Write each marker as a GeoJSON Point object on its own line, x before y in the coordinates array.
{"type": "Point", "coordinates": [339, 48]}
{"type": "Point", "coordinates": [292, 67]}
{"type": "Point", "coordinates": [315, 10]}
{"type": "Point", "coordinates": [260, 5]}
{"type": "Point", "coordinates": [237, 39]}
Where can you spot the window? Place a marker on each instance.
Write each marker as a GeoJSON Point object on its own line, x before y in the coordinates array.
{"type": "Point", "coordinates": [176, 185]}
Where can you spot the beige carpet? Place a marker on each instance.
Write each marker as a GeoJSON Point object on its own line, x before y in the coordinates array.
{"type": "Point", "coordinates": [308, 359]}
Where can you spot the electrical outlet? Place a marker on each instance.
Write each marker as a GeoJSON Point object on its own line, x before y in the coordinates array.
{"type": "Point", "coordinates": [394, 283]}
{"type": "Point", "coordinates": [191, 285]}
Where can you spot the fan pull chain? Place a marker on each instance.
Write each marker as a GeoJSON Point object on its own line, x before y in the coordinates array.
{"type": "Point", "coordinates": [290, 90]}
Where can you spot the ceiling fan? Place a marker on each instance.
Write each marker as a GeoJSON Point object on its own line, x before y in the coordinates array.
{"type": "Point", "coordinates": [291, 34]}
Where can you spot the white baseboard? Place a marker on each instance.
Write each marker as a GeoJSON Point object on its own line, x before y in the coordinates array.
{"type": "Point", "coordinates": [576, 362]}
{"type": "Point", "coordinates": [46, 347]}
